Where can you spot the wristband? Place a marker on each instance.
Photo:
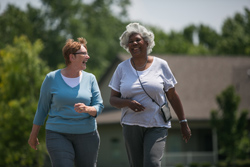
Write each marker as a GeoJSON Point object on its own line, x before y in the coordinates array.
{"type": "Point", "coordinates": [184, 120]}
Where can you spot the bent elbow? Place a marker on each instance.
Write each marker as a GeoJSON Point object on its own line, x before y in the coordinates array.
{"type": "Point", "coordinates": [111, 101]}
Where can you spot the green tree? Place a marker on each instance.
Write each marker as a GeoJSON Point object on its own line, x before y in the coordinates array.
{"type": "Point", "coordinates": [231, 126]}
{"type": "Point", "coordinates": [177, 42]}
{"type": "Point", "coordinates": [16, 22]}
{"type": "Point", "coordinates": [33, 24]}
{"type": "Point", "coordinates": [208, 37]}
{"type": "Point", "coordinates": [58, 20]}
{"type": "Point", "coordinates": [161, 40]}
{"type": "Point", "coordinates": [95, 22]}
{"type": "Point", "coordinates": [188, 32]}
{"type": "Point", "coordinates": [21, 75]}
{"type": "Point", "coordinates": [235, 38]}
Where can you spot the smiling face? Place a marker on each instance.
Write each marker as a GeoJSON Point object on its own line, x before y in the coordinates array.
{"type": "Point", "coordinates": [137, 45]}
{"type": "Point", "coordinates": [80, 58]}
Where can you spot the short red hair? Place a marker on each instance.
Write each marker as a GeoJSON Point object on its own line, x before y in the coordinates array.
{"type": "Point", "coordinates": [71, 47]}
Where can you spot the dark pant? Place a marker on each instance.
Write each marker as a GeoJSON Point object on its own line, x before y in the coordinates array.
{"type": "Point", "coordinates": [145, 146]}
{"type": "Point", "coordinates": [67, 150]}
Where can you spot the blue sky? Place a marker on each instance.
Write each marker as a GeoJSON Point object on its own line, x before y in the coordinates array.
{"type": "Point", "coordinates": [177, 14]}
{"type": "Point", "coordinates": [171, 14]}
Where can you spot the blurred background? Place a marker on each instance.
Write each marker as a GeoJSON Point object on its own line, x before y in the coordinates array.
{"type": "Point", "coordinates": [207, 46]}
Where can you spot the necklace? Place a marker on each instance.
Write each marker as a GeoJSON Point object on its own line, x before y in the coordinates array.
{"type": "Point", "coordinates": [141, 66]}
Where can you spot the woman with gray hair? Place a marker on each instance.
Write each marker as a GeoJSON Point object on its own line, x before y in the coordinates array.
{"type": "Point", "coordinates": [139, 87]}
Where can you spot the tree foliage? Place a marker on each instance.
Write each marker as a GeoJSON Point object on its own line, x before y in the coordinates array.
{"type": "Point", "coordinates": [235, 38]}
{"type": "Point", "coordinates": [57, 21]}
{"type": "Point", "coordinates": [177, 42]}
{"type": "Point", "coordinates": [231, 126]}
{"type": "Point", "coordinates": [22, 73]}
{"type": "Point", "coordinates": [208, 37]}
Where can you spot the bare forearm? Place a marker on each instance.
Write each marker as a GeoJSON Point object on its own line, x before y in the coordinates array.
{"type": "Point", "coordinates": [177, 106]}
{"type": "Point", "coordinates": [119, 102]}
{"type": "Point", "coordinates": [33, 140]}
{"type": "Point", "coordinates": [175, 102]}
{"type": "Point", "coordinates": [35, 130]}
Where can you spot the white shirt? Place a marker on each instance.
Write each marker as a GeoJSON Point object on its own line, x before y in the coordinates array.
{"type": "Point", "coordinates": [72, 82]}
{"type": "Point", "coordinates": [155, 79]}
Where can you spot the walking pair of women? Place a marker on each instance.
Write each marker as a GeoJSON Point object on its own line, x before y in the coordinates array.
{"type": "Point", "coordinates": [71, 99]}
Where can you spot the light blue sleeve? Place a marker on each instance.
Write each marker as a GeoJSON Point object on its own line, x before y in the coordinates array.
{"type": "Point", "coordinates": [44, 102]}
{"type": "Point", "coordinates": [96, 100]}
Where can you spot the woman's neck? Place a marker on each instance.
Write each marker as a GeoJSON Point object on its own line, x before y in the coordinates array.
{"type": "Point", "coordinates": [140, 63]}
{"type": "Point", "coordinates": [70, 72]}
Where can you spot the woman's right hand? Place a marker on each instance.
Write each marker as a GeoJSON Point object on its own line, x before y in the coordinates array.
{"type": "Point", "coordinates": [136, 106]}
{"type": "Point", "coordinates": [116, 101]}
{"type": "Point", "coordinates": [33, 142]}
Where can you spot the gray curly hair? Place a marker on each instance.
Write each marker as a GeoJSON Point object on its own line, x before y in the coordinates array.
{"type": "Point", "coordinates": [137, 28]}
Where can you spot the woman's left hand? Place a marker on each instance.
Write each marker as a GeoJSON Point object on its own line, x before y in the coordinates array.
{"type": "Point", "coordinates": [81, 108]}
{"type": "Point", "coordinates": [186, 132]}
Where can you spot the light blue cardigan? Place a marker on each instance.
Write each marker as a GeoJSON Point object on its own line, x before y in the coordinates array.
{"type": "Point", "coordinates": [57, 100]}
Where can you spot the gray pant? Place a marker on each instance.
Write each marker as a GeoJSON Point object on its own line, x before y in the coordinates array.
{"type": "Point", "coordinates": [145, 146]}
{"type": "Point", "coordinates": [67, 150]}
